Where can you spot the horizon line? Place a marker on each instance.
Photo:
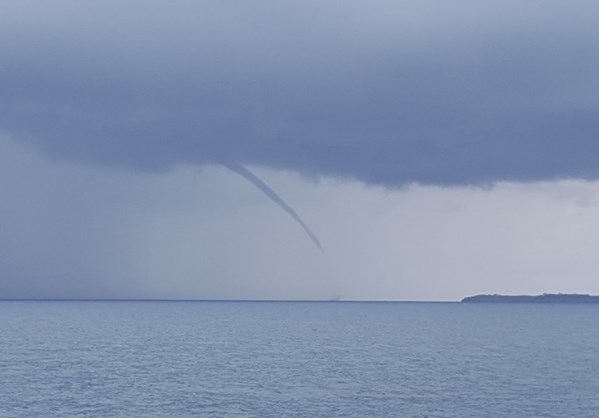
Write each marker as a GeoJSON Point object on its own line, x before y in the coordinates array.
{"type": "Point", "coordinates": [220, 300]}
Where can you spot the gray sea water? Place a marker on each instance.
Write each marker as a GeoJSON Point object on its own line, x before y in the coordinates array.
{"type": "Point", "coordinates": [298, 359]}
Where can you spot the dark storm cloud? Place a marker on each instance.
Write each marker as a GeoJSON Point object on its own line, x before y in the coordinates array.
{"type": "Point", "coordinates": [463, 92]}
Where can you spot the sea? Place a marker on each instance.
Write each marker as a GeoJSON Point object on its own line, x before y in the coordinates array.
{"type": "Point", "coordinates": [297, 359]}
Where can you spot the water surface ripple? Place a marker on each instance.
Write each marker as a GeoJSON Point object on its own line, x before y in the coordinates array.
{"type": "Point", "coordinates": [299, 359]}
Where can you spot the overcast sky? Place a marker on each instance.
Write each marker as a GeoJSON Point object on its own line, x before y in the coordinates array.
{"type": "Point", "coordinates": [436, 149]}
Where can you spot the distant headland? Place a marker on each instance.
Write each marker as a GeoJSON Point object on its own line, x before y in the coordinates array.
{"type": "Point", "coordinates": [544, 298]}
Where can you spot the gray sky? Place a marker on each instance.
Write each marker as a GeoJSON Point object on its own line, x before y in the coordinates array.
{"type": "Point", "coordinates": [437, 149]}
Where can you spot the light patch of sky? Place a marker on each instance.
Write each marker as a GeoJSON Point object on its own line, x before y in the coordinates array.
{"type": "Point", "coordinates": [68, 230]}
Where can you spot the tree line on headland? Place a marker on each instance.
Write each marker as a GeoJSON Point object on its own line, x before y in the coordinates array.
{"type": "Point", "coordinates": [544, 298]}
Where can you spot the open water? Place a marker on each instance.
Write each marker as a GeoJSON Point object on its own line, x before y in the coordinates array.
{"type": "Point", "coordinates": [298, 359]}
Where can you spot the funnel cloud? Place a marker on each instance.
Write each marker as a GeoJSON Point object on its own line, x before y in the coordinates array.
{"type": "Point", "coordinates": [272, 195]}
